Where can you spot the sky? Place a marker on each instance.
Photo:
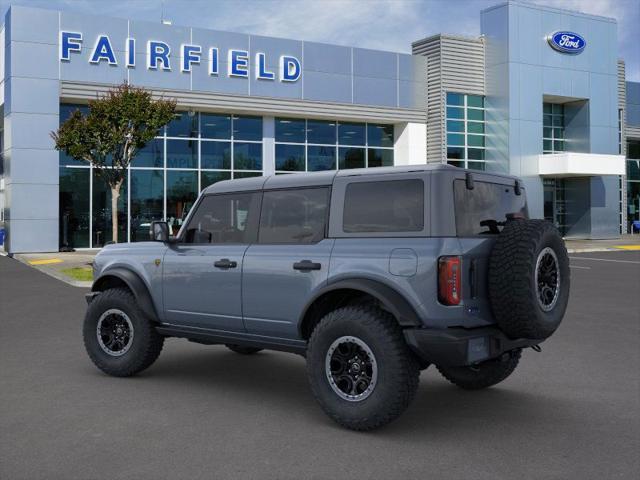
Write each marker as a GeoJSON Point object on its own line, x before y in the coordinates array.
{"type": "Point", "coordinates": [378, 24]}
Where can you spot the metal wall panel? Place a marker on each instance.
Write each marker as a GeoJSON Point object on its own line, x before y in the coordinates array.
{"type": "Point", "coordinates": [80, 91]}
{"type": "Point", "coordinates": [454, 64]}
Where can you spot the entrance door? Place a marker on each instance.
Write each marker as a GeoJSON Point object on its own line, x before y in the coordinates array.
{"type": "Point", "coordinates": [202, 274]}
{"type": "Point", "coordinates": [555, 203]}
{"type": "Point", "coordinates": [290, 260]}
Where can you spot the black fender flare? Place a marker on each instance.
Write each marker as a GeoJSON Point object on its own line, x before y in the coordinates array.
{"type": "Point", "coordinates": [135, 284]}
{"type": "Point", "coordinates": [394, 302]}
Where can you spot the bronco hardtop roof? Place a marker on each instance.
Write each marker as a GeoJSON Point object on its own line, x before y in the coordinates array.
{"type": "Point", "coordinates": [311, 179]}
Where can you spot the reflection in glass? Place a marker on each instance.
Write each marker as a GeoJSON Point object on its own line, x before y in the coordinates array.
{"type": "Point", "coordinates": [321, 158]}
{"type": "Point", "coordinates": [455, 98]}
{"type": "Point", "coordinates": [351, 157]}
{"type": "Point", "coordinates": [247, 128]}
{"type": "Point", "coordinates": [182, 154]}
{"type": "Point", "coordinates": [216, 155]}
{"type": "Point", "coordinates": [209, 178]}
{"type": "Point", "coordinates": [185, 124]}
{"type": "Point", "coordinates": [320, 131]}
{"type": "Point", "coordinates": [182, 191]}
{"type": "Point", "coordinates": [215, 126]}
{"type": "Point", "coordinates": [290, 158]}
{"type": "Point", "coordinates": [455, 126]}
{"type": "Point", "coordinates": [246, 174]}
{"type": "Point", "coordinates": [102, 231]}
{"type": "Point", "coordinates": [379, 135]}
{"type": "Point", "coordinates": [147, 188]}
{"type": "Point", "coordinates": [455, 152]}
{"type": "Point", "coordinates": [290, 130]}
{"type": "Point", "coordinates": [379, 157]}
{"type": "Point", "coordinates": [151, 155]}
{"type": "Point", "coordinates": [351, 133]}
{"type": "Point", "coordinates": [74, 207]}
{"type": "Point", "coordinates": [247, 156]}
{"type": "Point", "coordinates": [455, 139]}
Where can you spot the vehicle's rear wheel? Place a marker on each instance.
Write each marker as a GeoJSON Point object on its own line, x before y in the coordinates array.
{"type": "Point", "coordinates": [362, 373]}
{"type": "Point", "coordinates": [529, 279]}
{"type": "Point", "coordinates": [242, 349]}
{"type": "Point", "coordinates": [120, 340]}
{"type": "Point", "coordinates": [483, 375]}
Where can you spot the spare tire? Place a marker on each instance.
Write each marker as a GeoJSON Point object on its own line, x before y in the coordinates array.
{"type": "Point", "coordinates": [529, 279]}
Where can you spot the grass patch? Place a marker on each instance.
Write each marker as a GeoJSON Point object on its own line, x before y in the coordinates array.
{"type": "Point", "coordinates": [81, 274]}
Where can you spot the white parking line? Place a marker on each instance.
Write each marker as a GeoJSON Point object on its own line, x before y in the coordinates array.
{"type": "Point", "coordinates": [604, 260]}
{"type": "Point", "coordinates": [582, 268]}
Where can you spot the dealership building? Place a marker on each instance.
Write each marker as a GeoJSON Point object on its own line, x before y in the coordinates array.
{"type": "Point", "coordinates": [541, 94]}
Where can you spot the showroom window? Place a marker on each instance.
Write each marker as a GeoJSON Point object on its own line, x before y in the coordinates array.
{"type": "Point", "coordinates": [633, 182]}
{"type": "Point", "coordinates": [194, 151]}
{"type": "Point", "coordinates": [307, 145]}
{"type": "Point", "coordinates": [465, 130]}
{"type": "Point", "coordinates": [552, 128]}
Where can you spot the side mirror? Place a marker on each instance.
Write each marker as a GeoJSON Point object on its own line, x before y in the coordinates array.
{"type": "Point", "coordinates": [159, 232]}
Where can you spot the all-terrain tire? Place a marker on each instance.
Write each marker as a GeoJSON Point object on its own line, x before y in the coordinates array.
{"type": "Point", "coordinates": [521, 249]}
{"type": "Point", "coordinates": [242, 349]}
{"type": "Point", "coordinates": [146, 343]}
{"type": "Point", "coordinates": [484, 374]}
{"type": "Point", "coordinates": [397, 368]}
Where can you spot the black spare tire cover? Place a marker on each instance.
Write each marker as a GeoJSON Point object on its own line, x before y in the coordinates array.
{"type": "Point", "coordinates": [529, 279]}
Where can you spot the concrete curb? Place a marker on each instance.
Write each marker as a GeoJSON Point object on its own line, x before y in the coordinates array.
{"type": "Point", "coordinates": [54, 274]}
{"type": "Point", "coordinates": [591, 250]}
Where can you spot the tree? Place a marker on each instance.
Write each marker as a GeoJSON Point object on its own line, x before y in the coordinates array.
{"type": "Point", "coordinates": [117, 126]}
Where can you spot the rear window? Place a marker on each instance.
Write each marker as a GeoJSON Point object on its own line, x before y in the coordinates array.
{"type": "Point", "coordinates": [384, 206]}
{"type": "Point", "coordinates": [483, 210]}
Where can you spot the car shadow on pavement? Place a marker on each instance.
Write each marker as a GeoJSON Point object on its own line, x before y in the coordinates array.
{"type": "Point", "coordinates": [279, 381]}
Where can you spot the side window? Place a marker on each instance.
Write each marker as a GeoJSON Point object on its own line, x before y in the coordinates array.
{"type": "Point", "coordinates": [228, 218]}
{"type": "Point", "coordinates": [384, 206]}
{"type": "Point", "coordinates": [294, 216]}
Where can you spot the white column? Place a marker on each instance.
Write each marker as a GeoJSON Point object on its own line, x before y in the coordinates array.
{"type": "Point", "coordinates": [410, 147]}
{"type": "Point", "coordinates": [268, 146]}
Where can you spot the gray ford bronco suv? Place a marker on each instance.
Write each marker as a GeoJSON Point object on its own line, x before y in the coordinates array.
{"type": "Point", "coordinates": [372, 275]}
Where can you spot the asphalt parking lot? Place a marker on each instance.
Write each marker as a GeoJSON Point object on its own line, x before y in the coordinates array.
{"type": "Point", "coordinates": [572, 411]}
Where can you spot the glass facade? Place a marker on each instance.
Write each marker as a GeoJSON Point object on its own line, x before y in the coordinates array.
{"type": "Point", "coordinates": [465, 130]}
{"type": "Point", "coordinates": [633, 182]}
{"type": "Point", "coordinates": [552, 128]}
{"type": "Point", "coordinates": [305, 145]}
{"type": "Point", "coordinates": [194, 151]}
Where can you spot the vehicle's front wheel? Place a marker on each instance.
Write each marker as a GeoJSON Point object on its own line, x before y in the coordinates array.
{"type": "Point", "coordinates": [361, 371]}
{"type": "Point", "coordinates": [483, 375]}
{"type": "Point", "coordinates": [120, 340]}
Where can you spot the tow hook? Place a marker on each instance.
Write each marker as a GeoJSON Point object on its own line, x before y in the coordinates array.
{"type": "Point", "coordinates": [536, 348]}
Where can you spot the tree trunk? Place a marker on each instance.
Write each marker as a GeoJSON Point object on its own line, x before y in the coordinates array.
{"type": "Point", "coordinates": [115, 194]}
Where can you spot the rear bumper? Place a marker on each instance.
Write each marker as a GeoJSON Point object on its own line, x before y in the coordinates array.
{"type": "Point", "coordinates": [458, 346]}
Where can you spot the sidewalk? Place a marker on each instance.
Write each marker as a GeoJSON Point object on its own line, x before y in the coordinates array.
{"type": "Point", "coordinates": [626, 242]}
{"type": "Point", "coordinates": [73, 268]}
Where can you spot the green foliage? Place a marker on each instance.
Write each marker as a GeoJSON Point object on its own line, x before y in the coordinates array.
{"type": "Point", "coordinates": [117, 126]}
{"type": "Point", "coordinates": [82, 274]}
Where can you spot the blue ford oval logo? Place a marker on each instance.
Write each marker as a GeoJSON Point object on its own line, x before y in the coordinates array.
{"type": "Point", "coordinates": [567, 42]}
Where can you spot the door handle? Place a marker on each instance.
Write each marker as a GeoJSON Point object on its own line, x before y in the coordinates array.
{"type": "Point", "coordinates": [305, 265]}
{"type": "Point", "coordinates": [225, 263]}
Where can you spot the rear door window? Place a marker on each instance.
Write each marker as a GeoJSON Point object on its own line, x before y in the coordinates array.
{"type": "Point", "coordinates": [483, 210]}
{"type": "Point", "coordinates": [295, 216]}
{"type": "Point", "coordinates": [384, 206]}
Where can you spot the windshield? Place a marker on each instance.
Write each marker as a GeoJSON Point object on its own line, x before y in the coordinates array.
{"type": "Point", "coordinates": [483, 210]}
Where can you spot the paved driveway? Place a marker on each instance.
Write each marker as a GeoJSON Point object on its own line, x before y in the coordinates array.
{"type": "Point", "coordinates": [572, 411]}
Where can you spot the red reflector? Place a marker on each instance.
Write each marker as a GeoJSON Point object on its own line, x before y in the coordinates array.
{"type": "Point", "coordinates": [449, 281]}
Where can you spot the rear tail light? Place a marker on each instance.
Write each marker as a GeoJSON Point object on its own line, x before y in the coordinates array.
{"type": "Point", "coordinates": [449, 280]}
